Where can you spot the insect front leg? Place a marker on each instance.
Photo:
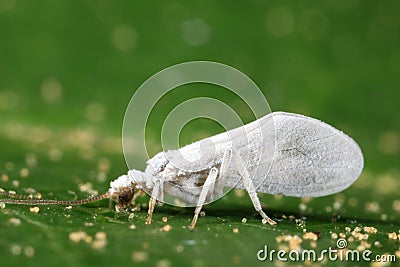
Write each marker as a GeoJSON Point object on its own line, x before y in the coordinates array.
{"type": "Point", "coordinates": [208, 184]}
{"type": "Point", "coordinates": [248, 183]}
{"type": "Point", "coordinates": [157, 195]}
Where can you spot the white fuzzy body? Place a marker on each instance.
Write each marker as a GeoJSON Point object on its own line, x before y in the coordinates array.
{"type": "Point", "coordinates": [284, 153]}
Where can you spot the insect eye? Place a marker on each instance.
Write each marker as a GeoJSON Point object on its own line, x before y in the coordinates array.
{"type": "Point", "coordinates": [125, 197]}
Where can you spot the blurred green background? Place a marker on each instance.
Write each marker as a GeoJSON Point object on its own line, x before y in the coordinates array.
{"type": "Point", "coordinates": [69, 68]}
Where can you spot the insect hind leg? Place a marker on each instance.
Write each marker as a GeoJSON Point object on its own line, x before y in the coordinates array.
{"type": "Point", "coordinates": [248, 183]}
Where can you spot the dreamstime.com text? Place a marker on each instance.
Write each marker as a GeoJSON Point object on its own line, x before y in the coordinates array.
{"type": "Point", "coordinates": [332, 254]}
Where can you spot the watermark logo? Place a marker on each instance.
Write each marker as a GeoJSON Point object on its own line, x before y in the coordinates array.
{"type": "Point", "coordinates": [341, 243]}
{"type": "Point", "coordinates": [340, 253]}
{"type": "Point", "coordinates": [199, 159]}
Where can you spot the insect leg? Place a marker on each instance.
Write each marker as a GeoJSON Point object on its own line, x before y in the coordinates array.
{"type": "Point", "coordinates": [152, 202]}
{"type": "Point", "coordinates": [249, 185]}
{"type": "Point", "coordinates": [160, 197]}
{"type": "Point", "coordinates": [212, 176]}
{"type": "Point", "coordinates": [226, 162]}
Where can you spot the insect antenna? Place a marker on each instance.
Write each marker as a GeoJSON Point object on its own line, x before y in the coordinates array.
{"type": "Point", "coordinates": [24, 200]}
{"type": "Point", "coordinates": [12, 194]}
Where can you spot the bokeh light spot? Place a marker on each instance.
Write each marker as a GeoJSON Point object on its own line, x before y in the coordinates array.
{"type": "Point", "coordinates": [280, 22]}
{"type": "Point", "coordinates": [124, 38]}
{"type": "Point", "coordinates": [51, 90]}
{"type": "Point", "coordinates": [196, 32]}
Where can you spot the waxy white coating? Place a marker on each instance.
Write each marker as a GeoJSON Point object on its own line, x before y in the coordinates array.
{"type": "Point", "coordinates": [284, 153]}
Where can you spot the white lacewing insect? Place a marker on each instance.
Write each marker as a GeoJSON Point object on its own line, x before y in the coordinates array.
{"type": "Point", "coordinates": [301, 157]}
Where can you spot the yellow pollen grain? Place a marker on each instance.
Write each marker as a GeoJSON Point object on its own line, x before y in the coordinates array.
{"type": "Point", "coordinates": [34, 209]}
